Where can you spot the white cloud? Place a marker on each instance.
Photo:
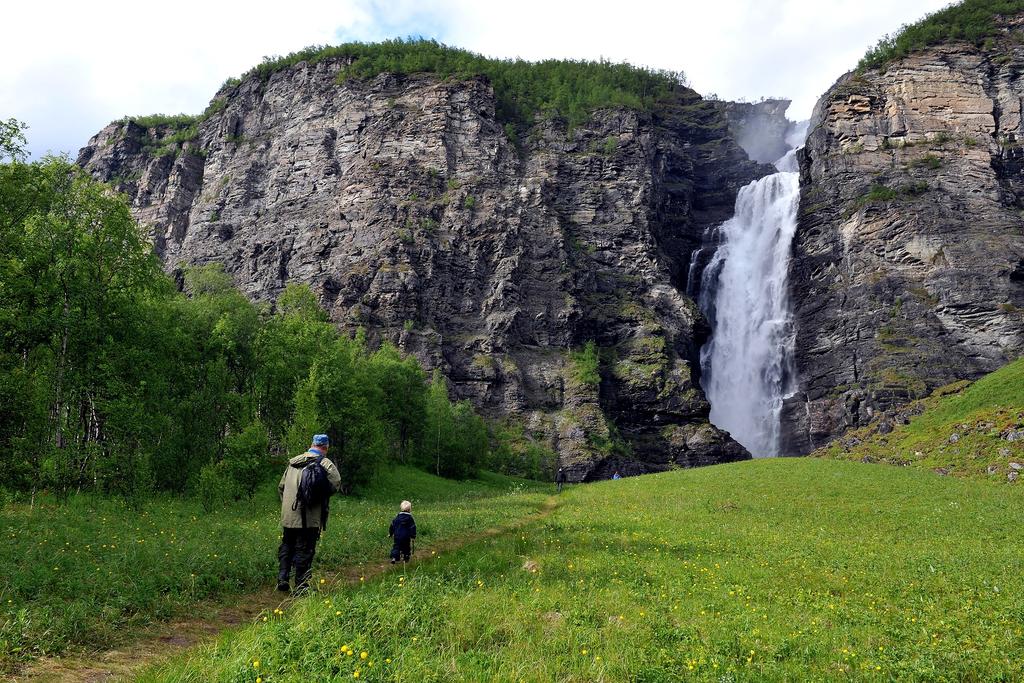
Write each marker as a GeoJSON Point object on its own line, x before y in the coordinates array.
{"type": "Point", "coordinates": [72, 67]}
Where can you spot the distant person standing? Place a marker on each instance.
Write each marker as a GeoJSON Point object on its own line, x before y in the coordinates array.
{"type": "Point", "coordinates": [560, 479]}
{"type": "Point", "coordinates": [305, 489]}
{"type": "Point", "coordinates": [403, 529]}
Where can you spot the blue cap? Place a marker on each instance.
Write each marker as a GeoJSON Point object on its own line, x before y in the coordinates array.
{"type": "Point", "coordinates": [321, 440]}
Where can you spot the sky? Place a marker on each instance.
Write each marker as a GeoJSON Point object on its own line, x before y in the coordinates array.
{"type": "Point", "coordinates": [71, 66]}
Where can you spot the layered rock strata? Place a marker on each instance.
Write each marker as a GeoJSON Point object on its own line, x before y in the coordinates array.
{"type": "Point", "coordinates": [908, 263]}
{"type": "Point", "coordinates": [403, 203]}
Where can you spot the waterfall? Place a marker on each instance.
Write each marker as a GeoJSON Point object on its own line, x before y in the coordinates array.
{"type": "Point", "coordinates": [747, 364]}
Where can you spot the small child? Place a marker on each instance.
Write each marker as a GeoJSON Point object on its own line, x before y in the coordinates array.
{"type": "Point", "coordinates": [403, 528]}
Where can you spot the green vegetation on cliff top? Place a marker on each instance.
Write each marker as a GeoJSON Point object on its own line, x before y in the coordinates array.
{"type": "Point", "coordinates": [769, 570]}
{"type": "Point", "coordinates": [971, 20]}
{"type": "Point", "coordinates": [962, 429]}
{"type": "Point", "coordinates": [566, 88]}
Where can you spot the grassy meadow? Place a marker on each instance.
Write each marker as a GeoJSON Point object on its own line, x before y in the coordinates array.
{"type": "Point", "coordinates": [780, 570]}
{"type": "Point", "coordinates": [88, 572]}
{"type": "Point", "coordinates": [962, 430]}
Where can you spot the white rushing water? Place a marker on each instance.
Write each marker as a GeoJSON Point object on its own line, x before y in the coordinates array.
{"type": "Point", "coordinates": [747, 364]}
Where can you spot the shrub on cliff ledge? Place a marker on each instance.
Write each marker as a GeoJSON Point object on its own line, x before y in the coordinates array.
{"type": "Point", "coordinates": [972, 21]}
{"type": "Point", "coordinates": [175, 121]}
{"type": "Point", "coordinates": [585, 365]}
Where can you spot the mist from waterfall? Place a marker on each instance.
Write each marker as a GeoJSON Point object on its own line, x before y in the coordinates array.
{"type": "Point", "coordinates": [747, 364]}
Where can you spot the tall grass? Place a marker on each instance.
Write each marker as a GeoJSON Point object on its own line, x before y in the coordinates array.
{"type": "Point", "coordinates": [960, 431]}
{"type": "Point", "coordinates": [92, 570]}
{"type": "Point", "coordinates": [784, 570]}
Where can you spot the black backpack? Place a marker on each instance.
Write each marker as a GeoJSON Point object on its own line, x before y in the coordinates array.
{"type": "Point", "coordinates": [314, 489]}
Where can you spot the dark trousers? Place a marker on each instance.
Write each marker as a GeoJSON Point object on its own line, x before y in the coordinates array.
{"type": "Point", "coordinates": [402, 550]}
{"type": "Point", "coordinates": [297, 549]}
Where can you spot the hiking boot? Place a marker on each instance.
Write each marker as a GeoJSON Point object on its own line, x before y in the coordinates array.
{"type": "Point", "coordinates": [283, 586]}
{"type": "Point", "coordinates": [393, 561]}
{"type": "Point", "coordinates": [300, 591]}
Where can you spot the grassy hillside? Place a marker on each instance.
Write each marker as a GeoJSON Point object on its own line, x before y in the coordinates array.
{"type": "Point", "coordinates": [782, 570]}
{"type": "Point", "coordinates": [89, 571]}
{"type": "Point", "coordinates": [963, 430]}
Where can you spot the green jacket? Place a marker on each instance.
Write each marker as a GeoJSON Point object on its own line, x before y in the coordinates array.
{"type": "Point", "coordinates": [289, 486]}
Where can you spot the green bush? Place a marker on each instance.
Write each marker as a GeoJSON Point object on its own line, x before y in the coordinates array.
{"type": "Point", "coordinates": [176, 121]}
{"type": "Point", "coordinates": [216, 487]}
{"type": "Point", "coordinates": [515, 453]}
{"type": "Point", "coordinates": [339, 398]}
{"type": "Point", "coordinates": [929, 161]}
{"type": "Point", "coordinates": [880, 193]}
{"type": "Point", "coordinates": [455, 440]}
{"type": "Point", "coordinates": [585, 364]}
{"type": "Point", "coordinates": [914, 189]}
{"type": "Point", "coordinates": [511, 133]}
{"type": "Point", "coordinates": [246, 454]}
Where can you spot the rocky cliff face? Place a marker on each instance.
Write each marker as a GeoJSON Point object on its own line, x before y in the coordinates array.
{"type": "Point", "coordinates": [908, 264]}
{"type": "Point", "coordinates": [402, 202]}
{"type": "Point", "coordinates": [760, 128]}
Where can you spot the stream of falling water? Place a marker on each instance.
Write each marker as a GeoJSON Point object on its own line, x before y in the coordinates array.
{"type": "Point", "coordinates": [747, 365]}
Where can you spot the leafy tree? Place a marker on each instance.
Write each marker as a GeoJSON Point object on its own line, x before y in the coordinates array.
{"type": "Point", "coordinates": [113, 380]}
{"type": "Point", "coordinates": [246, 454]}
{"type": "Point", "coordinates": [286, 347]}
{"type": "Point", "coordinates": [471, 445]}
{"type": "Point", "coordinates": [455, 440]}
{"type": "Point", "coordinates": [439, 424]}
{"type": "Point", "coordinates": [340, 399]}
{"type": "Point", "coordinates": [404, 393]}
{"type": "Point", "coordinates": [74, 272]}
{"type": "Point", "coordinates": [12, 140]}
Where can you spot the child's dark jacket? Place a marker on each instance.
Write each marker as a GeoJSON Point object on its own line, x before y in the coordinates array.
{"type": "Point", "coordinates": [403, 527]}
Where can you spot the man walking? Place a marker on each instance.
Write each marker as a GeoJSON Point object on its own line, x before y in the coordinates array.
{"type": "Point", "coordinates": [560, 479]}
{"type": "Point", "coordinates": [305, 489]}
